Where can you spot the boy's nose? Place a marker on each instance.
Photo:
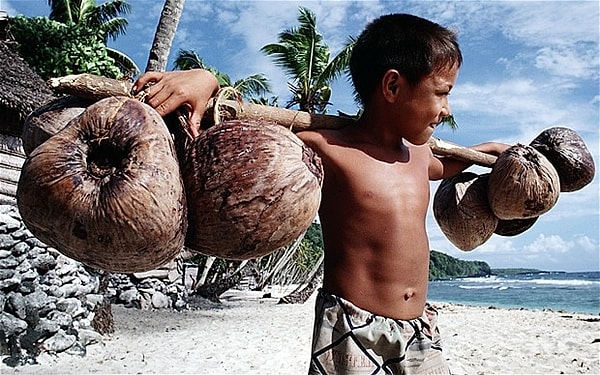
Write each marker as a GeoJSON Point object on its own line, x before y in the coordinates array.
{"type": "Point", "coordinates": [446, 111]}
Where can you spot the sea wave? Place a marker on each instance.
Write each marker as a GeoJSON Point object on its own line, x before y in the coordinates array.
{"type": "Point", "coordinates": [535, 281]}
{"type": "Point", "coordinates": [499, 287]}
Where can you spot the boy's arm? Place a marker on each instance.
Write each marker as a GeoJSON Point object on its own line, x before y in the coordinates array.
{"type": "Point", "coordinates": [445, 167]}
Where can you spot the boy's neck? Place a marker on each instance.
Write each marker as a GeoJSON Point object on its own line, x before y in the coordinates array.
{"type": "Point", "coordinates": [377, 130]}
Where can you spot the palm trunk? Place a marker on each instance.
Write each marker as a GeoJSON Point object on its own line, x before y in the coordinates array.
{"type": "Point", "coordinates": [207, 265]}
{"type": "Point", "coordinates": [165, 32]}
{"type": "Point", "coordinates": [286, 257]}
{"type": "Point", "coordinates": [307, 287]}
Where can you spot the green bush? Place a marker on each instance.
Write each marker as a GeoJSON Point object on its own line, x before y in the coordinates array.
{"type": "Point", "coordinates": [53, 49]}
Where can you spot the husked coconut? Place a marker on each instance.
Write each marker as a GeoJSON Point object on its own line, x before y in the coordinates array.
{"type": "Point", "coordinates": [569, 155]}
{"type": "Point", "coordinates": [510, 228]}
{"type": "Point", "coordinates": [49, 119]}
{"type": "Point", "coordinates": [462, 211]}
{"type": "Point", "coordinates": [107, 190]}
{"type": "Point", "coordinates": [522, 184]}
{"type": "Point", "coordinates": [252, 188]}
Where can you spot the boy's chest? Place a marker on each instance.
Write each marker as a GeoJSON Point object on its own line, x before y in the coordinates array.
{"type": "Point", "coordinates": [358, 176]}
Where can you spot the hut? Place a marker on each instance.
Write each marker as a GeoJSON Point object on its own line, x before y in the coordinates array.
{"type": "Point", "coordinates": [21, 91]}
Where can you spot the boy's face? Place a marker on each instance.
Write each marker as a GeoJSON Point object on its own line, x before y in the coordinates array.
{"type": "Point", "coordinates": [421, 107]}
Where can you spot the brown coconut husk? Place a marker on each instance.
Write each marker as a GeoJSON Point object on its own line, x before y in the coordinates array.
{"type": "Point", "coordinates": [522, 184]}
{"type": "Point", "coordinates": [106, 190]}
{"type": "Point", "coordinates": [567, 152]}
{"type": "Point", "coordinates": [49, 119]}
{"type": "Point", "coordinates": [252, 188]}
{"type": "Point", "coordinates": [511, 228]}
{"type": "Point", "coordinates": [461, 209]}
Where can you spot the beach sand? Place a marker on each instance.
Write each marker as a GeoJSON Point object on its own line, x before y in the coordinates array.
{"type": "Point", "coordinates": [248, 334]}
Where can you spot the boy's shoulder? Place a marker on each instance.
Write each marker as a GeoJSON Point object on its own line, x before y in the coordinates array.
{"type": "Point", "coordinates": [319, 136]}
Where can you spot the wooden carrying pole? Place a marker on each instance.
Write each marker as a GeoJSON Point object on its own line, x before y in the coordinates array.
{"type": "Point", "coordinates": [97, 87]}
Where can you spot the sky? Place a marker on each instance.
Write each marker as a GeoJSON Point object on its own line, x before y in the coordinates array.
{"type": "Point", "coordinates": [528, 66]}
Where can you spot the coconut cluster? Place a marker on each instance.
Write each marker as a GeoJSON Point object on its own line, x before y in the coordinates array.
{"type": "Point", "coordinates": [524, 183]}
{"type": "Point", "coordinates": [104, 184]}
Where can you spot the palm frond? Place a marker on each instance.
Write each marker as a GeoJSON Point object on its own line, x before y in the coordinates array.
{"type": "Point", "coordinates": [124, 62]}
{"type": "Point", "coordinates": [450, 121]}
{"type": "Point", "coordinates": [107, 17]}
{"type": "Point", "coordinates": [339, 64]}
{"type": "Point", "coordinates": [188, 59]}
{"type": "Point", "coordinates": [253, 85]}
{"type": "Point", "coordinates": [62, 11]}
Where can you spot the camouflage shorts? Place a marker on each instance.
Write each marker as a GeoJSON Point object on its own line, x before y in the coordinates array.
{"type": "Point", "coordinates": [349, 340]}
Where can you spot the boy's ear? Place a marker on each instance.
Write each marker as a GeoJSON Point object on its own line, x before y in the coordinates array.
{"type": "Point", "coordinates": [392, 84]}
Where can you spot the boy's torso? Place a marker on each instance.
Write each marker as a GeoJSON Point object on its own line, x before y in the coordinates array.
{"type": "Point", "coordinates": [373, 219]}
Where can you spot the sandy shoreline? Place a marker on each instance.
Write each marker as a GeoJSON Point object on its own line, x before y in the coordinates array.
{"type": "Point", "coordinates": [248, 334]}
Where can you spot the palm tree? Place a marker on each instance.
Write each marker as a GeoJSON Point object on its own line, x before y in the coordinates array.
{"type": "Point", "coordinates": [251, 87]}
{"type": "Point", "coordinates": [304, 56]}
{"type": "Point", "coordinates": [105, 17]}
{"type": "Point", "coordinates": [163, 38]}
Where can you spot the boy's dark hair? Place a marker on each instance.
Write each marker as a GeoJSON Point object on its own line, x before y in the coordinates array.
{"type": "Point", "coordinates": [412, 45]}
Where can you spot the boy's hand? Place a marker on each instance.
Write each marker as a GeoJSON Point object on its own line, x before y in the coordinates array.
{"type": "Point", "coordinates": [167, 91]}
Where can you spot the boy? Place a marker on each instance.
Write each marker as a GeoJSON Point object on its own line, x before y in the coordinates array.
{"type": "Point", "coordinates": [371, 314]}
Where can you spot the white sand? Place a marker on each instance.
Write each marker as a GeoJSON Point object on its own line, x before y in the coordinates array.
{"type": "Point", "coordinates": [251, 335]}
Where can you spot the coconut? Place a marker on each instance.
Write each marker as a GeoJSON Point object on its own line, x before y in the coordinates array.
{"type": "Point", "coordinates": [522, 184]}
{"type": "Point", "coordinates": [569, 155]}
{"type": "Point", "coordinates": [106, 190]}
{"type": "Point", "coordinates": [49, 119]}
{"type": "Point", "coordinates": [461, 209]}
{"type": "Point", "coordinates": [510, 228]}
{"type": "Point", "coordinates": [252, 188]}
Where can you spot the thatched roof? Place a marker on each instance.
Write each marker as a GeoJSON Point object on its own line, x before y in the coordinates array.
{"type": "Point", "coordinates": [21, 91]}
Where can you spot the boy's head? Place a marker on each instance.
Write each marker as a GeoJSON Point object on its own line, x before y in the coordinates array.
{"type": "Point", "coordinates": [414, 46]}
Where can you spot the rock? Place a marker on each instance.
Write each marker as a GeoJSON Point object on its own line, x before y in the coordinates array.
{"type": "Point", "coordinates": [92, 300]}
{"type": "Point", "coordinates": [37, 300]}
{"type": "Point", "coordinates": [16, 305]}
{"type": "Point", "coordinates": [71, 306]}
{"type": "Point", "coordinates": [88, 336]}
{"type": "Point", "coordinates": [11, 325]}
{"type": "Point", "coordinates": [10, 284]}
{"type": "Point", "coordinates": [160, 301]}
{"type": "Point", "coordinates": [59, 342]}
{"type": "Point", "coordinates": [129, 296]}
{"type": "Point", "coordinates": [8, 223]}
{"type": "Point", "coordinates": [44, 263]}
{"type": "Point", "coordinates": [47, 326]}
{"type": "Point", "coordinates": [77, 349]}
{"type": "Point", "coordinates": [63, 319]}
{"type": "Point", "coordinates": [158, 274]}
{"type": "Point", "coordinates": [20, 248]}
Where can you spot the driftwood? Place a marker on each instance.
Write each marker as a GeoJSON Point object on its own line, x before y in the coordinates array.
{"type": "Point", "coordinates": [90, 86]}
{"type": "Point", "coordinates": [97, 87]}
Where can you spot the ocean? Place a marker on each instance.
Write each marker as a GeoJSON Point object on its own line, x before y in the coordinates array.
{"type": "Point", "coordinates": [575, 292]}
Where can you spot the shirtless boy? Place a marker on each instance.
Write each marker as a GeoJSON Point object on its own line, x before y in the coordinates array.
{"type": "Point", "coordinates": [371, 314]}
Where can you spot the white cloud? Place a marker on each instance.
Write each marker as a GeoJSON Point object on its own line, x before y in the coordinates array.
{"type": "Point", "coordinates": [548, 245]}
{"type": "Point", "coordinates": [8, 8]}
{"type": "Point", "coordinates": [568, 61]}
{"type": "Point", "coordinates": [555, 22]}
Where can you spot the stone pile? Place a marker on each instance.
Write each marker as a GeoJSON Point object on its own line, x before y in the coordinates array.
{"type": "Point", "coordinates": [48, 301]}
{"type": "Point", "coordinates": [157, 289]}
